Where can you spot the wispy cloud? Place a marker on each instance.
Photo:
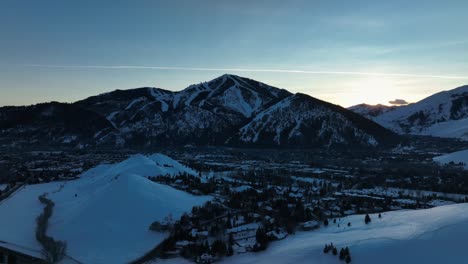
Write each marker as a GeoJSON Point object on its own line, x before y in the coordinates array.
{"type": "Point", "coordinates": [168, 68]}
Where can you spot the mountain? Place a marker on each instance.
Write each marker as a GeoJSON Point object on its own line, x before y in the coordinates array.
{"type": "Point", "coordinates": [371, 111]}
{"type": "Point", "coordinates": [205, 113]}
{"type": "Point", "coordinates": [50, 123]}
{"type": "Point", "coordinates": [229, 110]}
{"type": "Point", "coordinates": [306, 121]}
{"type": "Point", "coordinates": [443, 114]}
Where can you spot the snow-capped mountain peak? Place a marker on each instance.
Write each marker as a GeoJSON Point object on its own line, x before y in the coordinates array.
{"type": "Point", "coordinates": [226, 110]}
{"type": "Point", "coordinates": [444, 114]}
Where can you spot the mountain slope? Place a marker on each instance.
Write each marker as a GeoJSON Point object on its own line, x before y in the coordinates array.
{"type": "Point", "coordinates": [459, 158]}
{"type": "Point", "coordinates": [50, 124]}
{"type": "Point", "coordinates": [121, 106]}
{"type": "Point", "coordinates": [371, 111]}
{"type": "Point", "coordinates": [443, 114]}
{"type": "Point", "coordinates": [301, 120]}
{"type": "Point", "coordinates": [201, 114]}
{"type": "Point", "coordinates": [225, 111]}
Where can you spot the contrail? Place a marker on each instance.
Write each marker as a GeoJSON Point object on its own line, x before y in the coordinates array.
{"type": "Point", "coordinates": [250, 70]}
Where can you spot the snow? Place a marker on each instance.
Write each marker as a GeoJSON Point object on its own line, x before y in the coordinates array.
{"type": "Point", "coordinates": [134, 102]}
{"type": "Point", "coordinates": [241, 188]}
{"type": "Point", "coordinates": [159, 96]}
{"type": "Point", "coordinates": [68, 139]}
{"type": "Point", "coordinates": [456, 157]}
{"type": "Point", "coordinates": [438, 109]}
{"type": "Point", "coordinates": [103, 216]}
{"type": "Point", "coordinates": [22, 209]}
{"type": "Point", "coordinates": [451, 128]}
{"type": "Point", "coordinates": [286, 120]}
{"type": "Point", "coordinates": [111, 116]}
{"type": "Point", "coordinates": [428, 236]}
{"type": "Point", "coordinates": [234, 100]}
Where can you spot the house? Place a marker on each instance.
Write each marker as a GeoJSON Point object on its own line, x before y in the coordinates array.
{"type": "Point", "coordinates": [16, 254]}
{"type": "Point", "coordinates": [310, 225]}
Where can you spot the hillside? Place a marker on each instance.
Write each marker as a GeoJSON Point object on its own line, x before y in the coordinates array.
{"type": "Point", "coordinates": [104, 215]}
{"type": "Point", "coordinates": [430, 236]}
{"type": "Point", "coordinates": [371, 111]}
{"type": "Point", "coordinates": [201, 114]}
{"type": "Point", "coordinates": [50, 124]}
{"type": "Point", "coordinates": [443, 114]}
{"type": "Point", "coordinates": [455, 158]}
{"type": "Point", "coordinates": [304, 120]}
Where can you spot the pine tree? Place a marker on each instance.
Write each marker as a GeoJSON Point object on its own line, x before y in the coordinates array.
{"type": "Point", "coordinates": [230, 251]}
{"type": "Point", "coordinates": [348, 259]}
{"type": "Point", "coordinates": [342, 254]}
{"type": "Point", "coordinates": [262, 238]}
{"type": "Point", "coordinates": [367, 219]}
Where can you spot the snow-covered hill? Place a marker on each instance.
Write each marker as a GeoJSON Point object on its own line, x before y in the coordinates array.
{"type": "Point", "coordinates": [430, 236]}
{"type": "Point", "coordinates": [455, 157]}
{"type": "Point", "coordinates": [103, 216]}
{"type": "Point", "coordinates": [443, 114]}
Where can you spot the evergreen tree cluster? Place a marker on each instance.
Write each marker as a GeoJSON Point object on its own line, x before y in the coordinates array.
{"type": "Point", "coordinates": [53, 250]}
{"type": "Point", "coordinates": [345, 255]}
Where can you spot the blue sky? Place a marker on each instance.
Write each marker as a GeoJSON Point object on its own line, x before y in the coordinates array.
{"type": "Point", "coordinates": [338, 46]}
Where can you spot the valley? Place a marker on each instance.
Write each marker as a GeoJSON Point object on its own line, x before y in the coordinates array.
{"type": "Point", "coordinates": [246, 169]}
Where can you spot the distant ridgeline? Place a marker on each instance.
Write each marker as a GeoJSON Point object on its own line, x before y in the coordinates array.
{"type": "Point", "coordinates": [227, 111]}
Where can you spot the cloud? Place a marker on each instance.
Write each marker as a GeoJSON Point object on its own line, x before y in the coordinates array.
{"type": "Point", "coordinates": [227, 70]}
{"type": "Point", "coordinates": [398, 102]}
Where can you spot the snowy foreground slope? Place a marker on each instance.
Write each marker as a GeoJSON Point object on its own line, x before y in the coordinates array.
{"type": "Point", "coordinates": [103, 216]}
{"type": "Point", "coordinates": [430, 236]}
{"type": "Point", "coordinates": [455, 157]}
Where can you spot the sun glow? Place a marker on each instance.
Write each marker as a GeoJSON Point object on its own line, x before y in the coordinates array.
{"type": "Point", "coordinates": [372, 90]}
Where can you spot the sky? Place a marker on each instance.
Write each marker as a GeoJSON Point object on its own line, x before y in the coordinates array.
{"type": "Point", "coordinates": [344, 52]}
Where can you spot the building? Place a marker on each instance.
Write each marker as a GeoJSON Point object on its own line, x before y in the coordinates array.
{"type": "Point", "coordinates": [15, 254]}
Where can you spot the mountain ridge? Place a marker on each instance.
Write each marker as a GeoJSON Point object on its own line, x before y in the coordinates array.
{"type": "Point", "coordinates": [214, 113]}
{"type": "Point", "coordinates": [443, 114]}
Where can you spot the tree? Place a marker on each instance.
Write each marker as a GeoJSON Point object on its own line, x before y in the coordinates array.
{"type": "Point", "coordinates": [348, 259]}
{"type": "Point", "coordinates": [262, 238]}
{"type": "Point", "coordinates": [326, 249]}
{"type": "Point", "coordinates": [342, 254]}
{"type": "Point", "coordinates": [230, 251]}
{"type": "Point", "coordinates": [218, 248]}
{"type": "Point", "coordinates": [335, 251]}
{"type": "Point", "coordinates": [367, 219]}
